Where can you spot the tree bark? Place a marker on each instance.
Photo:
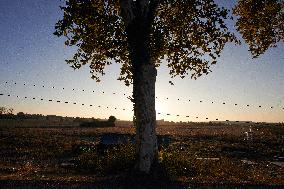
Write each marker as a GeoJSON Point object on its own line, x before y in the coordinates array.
{"type": "Point", "coordinates": [138, 22]}
{"type": "Point", "coordinates": [145, 117]}
{"type": "Point", "coordinates": [144, 79]}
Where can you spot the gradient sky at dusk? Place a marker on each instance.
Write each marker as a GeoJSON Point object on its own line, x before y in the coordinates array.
{"type": "Point", "coordinates": [30, 54]}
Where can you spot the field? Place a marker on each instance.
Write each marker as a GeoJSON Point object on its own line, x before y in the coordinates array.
{"type": "Point", "coordinates": [199, 155]}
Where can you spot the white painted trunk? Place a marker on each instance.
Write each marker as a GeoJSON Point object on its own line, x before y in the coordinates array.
{"type": "Point", "coordinates": [136, 18]}
{"type": "Point", "coordinates": [145, 117]}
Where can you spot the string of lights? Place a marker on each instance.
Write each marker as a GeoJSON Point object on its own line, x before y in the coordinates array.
{"type": "Point", "coordinates": [63, 102]}
{"type": "Point", "coordinates": [167, 98]}
{"type": "Point", "coordinates": [115, 108]}
{"type": "Point", "coordinates": [62, 88]}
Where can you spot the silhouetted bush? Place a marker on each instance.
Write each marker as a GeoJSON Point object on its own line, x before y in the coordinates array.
{"type": "Point", "coordinates": [6, 113]}
{"type": "Point", "coordinates": [78, 119]}
{"type": "Point", "coordinates": [111, 119]}
{"type": "Point", "coordinates": [98, 123]}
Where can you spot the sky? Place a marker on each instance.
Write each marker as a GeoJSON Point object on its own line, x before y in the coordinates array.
{"type": "Point", "coordinates": [31, 55]}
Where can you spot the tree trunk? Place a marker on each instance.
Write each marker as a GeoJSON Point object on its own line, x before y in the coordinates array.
{"type": "Point", "coordinates": [138, 22]}
{"type": "Point", "coordinates": [145, 116]}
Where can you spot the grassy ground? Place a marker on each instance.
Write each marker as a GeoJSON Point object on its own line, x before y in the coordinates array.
{"type": "Point", "coordinates": [200, 156]}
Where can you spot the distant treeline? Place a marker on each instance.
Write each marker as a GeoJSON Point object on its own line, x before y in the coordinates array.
{"type": "Point", "coordinates": [21, 115]}
{"type": "Point", "coordinates": [100, 123]}
{"type": "Point", "coordinates": [7, 114]}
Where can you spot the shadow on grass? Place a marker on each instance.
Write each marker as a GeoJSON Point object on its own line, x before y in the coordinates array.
{"type": "Point", "coordinates": [125, 182]}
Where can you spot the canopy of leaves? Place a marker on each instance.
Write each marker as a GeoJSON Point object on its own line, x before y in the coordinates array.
{"type": "Point", "coordinates": [4, 110]}
{"type": "Point", "coordinates": [188, 34]}
{"type": "Point", "coordinates": [261, 23]}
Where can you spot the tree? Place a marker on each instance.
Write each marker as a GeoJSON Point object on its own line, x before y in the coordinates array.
{"type": "Point", "coordinates": [6, 111]}
{"type": "Point", "coordinates": [21, 115]}
{"type": "Point", "coordinates": [10, 111]}
{"type": "Point", "coordinates": [3, 110]}
{"type": "Point", "coordinates": [188, 34]}
{"type": "Point", "coordinates": [111, 119]}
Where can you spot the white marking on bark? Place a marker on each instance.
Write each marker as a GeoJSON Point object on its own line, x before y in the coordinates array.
{"type": "Point", "coordinates": [147, 120]}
